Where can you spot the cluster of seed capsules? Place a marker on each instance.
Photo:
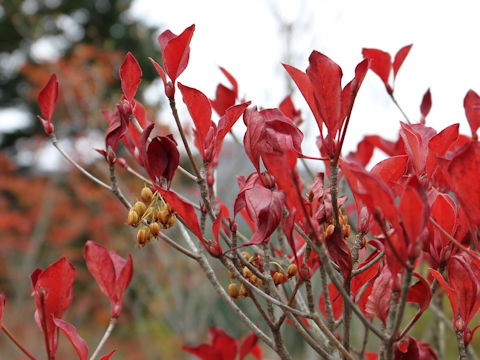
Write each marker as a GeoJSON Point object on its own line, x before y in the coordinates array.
{"type": "Point", "coordinates": [279, 276]}
{"type": "Point", "coordinates": [152, 213]}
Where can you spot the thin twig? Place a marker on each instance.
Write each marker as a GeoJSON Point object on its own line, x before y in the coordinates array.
{"type": "Point", "coordinates": [16, 342]}
{"type": "Point", "coordinates": [105, 337]}
{"type": "Point", "coordinates": [400, 108]}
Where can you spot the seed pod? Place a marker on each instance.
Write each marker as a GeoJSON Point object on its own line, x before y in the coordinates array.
{"type": "Point", "coordinates": [140, 208]}
{"type": "Point", "coordinates": [233, 291]}
{"type": "Point", "coordinates": [243, 291]}
{"type": "Point", "coordinates": [146, 195]}
{"type": "Point", "coordinates": [170, 222]}
{"type": "Point", "coordinates": [330, 230]}
{"type": "Point", "coordinates": [132, 218]}
{"type": "Point", "coordinates": [247, 272]}
{"type": "Point", "coordinates": [292, 270]}
{"type": "Point", "coordinates": [154, 229]}
{"type": "Point", "coordinates": [230, 274]}
{"type": "Point", "coordinates": [143, 236]}
{"type": "Point", "coordinates": [163, 215]}
{"type": "Point", "coordinates": [253, 279]}
{"type": "Point", "coordinates": [279, 278]}
{"type": "Point", "coordinates": [245, 255]}
{"type": "Point", "coordinates": [347, 231]}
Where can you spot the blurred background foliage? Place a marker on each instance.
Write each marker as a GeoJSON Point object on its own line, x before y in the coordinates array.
{"type": "Point", "coordinates": [49, 214]}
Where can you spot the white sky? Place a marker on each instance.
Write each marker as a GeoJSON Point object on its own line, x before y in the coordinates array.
{"type": "Point", "coordinates": [243, 36]}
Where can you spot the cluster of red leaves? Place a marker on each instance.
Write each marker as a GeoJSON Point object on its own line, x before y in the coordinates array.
{"type": "Point", "coordinates": [406, 202]}
{"type": "Point", "coordinates": [52, 290]}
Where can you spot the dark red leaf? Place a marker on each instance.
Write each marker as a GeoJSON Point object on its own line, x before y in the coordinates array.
{"type": "Point", "coordinates": [381, 64]}
{"type": "Point", "coordinates": [340, 253]}
{"type": "Point", "coordinates": [400, 58]}
{"type": "Point", "coordinates": [204, 352]}
{"type": "Point", "coordinates": [130, 74]}
{"type": "Point", "coordinates": [471, 103]}
{"type": "Point", "coordinates": [378, 303]}
{"type": "Point", "coordinates": [265, 207]}
{"type": "Point", "coordinates": [163, 158]}
{"type": "Point", "coordinates": [426, 105]}
{"type": "Point", "coordinates": [255, 123]}
{"type": "Point", "coordinates": [199, 108]}
{"type": "Point", "coordinates": [414, 210]}
{"type": "Point", "coordinates": [406, 349]}
{"type": "Point", "coordinates": [175, 51]}
{"type": "Point", "coordinates": [326, 79]}
{"type": "Point", "coordinates": [111, 272]}
{"type": "Point", "coordinates": [71, 333]}
{"type": "Point", "coordinates": [421, 294]}
{"type": "Point", "coordinates": [48, 97]}
{"type": "Point", "coordinates": [55, 286]}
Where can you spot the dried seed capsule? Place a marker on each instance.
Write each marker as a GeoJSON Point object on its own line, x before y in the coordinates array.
{"type": "Point", "coordinates": [170, 222]}
{"type": "Point", "coordinates": [243, 291]}
{"type": "Point", "coordinates": [245, 255]}
{"type": "Point", "coordinates": [146, 195]}
{"type": "Point", "coordinates": [233, 291]}
{"type": "Point", "coordinates": [330, 230]}
{"type": "Point", "coordinates": [132, 218]}
{"type": "Point", "coordinates": [140, 208]}
{"type": "Point", "coordinates": [253, 279]}
{"type": "Point", "coordinates": [247, 272]}
{"type": "Point", "coordinates": [292, 270]}
{"type": "Point", "coordinates": [279, 278]}
{"type": "Point", "coordinates": [347, 231]}
{"type": "Point", "coordinates": [163, 215]}
{"type": "Point", "coordinates": [154, 229]}
{"type": "Point", "coordinates": [143, 236]}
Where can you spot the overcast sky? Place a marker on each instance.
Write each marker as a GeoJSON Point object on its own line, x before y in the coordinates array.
{"type": "Point", "coordinates": [244, 37]}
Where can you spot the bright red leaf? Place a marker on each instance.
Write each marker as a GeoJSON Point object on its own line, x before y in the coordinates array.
{"type": "Point", "coordinates": [111, 272]}
{"type": "Point", "coordinates": [130, 74]}
{"type": "Point", "coordinates": [471, 103]}
{"type": "Point", "coordinates": [199, 108]}
{"type": "Point", "coordinates": [71, 333]}
{"type": "Point", "coordinates": [425, 106]}
{"type": "Point", "coordinates": [53, 292]}
{"type": "Point", "coordinates": [47, 98]}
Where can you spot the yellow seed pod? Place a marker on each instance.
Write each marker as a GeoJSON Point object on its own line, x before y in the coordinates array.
{"type": "Point", "coordinates": [170, 222]}
{"type": "Point", "coordinates": [154, 229]}
{"type": "Point", "coordinates": [347, 231]}
{"type": "Point", "coordinates": [163, 215]}
{"type": "Point", "coordinates": [233, 291]}
{"type": "Point", "coordinates": [140, 208]}
{"type": "Point", "coordinates": [253, 279]}
{"type": "Point", "coordinates": [146, 195]}
{"type": "Point", "coordinates": [132, 218]}
{"type": "Point", "coordinates": [279, 278]}
{"type": "Point", "coordinates": [143, 236]}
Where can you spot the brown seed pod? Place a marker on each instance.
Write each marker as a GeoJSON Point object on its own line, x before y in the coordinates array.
{"type": "Point", "coordinates": [279, 278]}
{"type": "Point", "coordinates": [170, 222]}
{"type": "Point", "coordinates": [233, 291]}
{"type": "Point", "coordinates": [132, 218]}
{"type": "Point", "coordinates": [330, 230]}
{"type": "Point", "coordinates": [163, 215]}
{"type": "Point", "coordinates": [143, 236]}
{"type": "Point", "coordinates": [243, 291]}
{"type": "Point", "coordinates": [140, 208]}
{"type": "Point", "coordinates": [146, 195]}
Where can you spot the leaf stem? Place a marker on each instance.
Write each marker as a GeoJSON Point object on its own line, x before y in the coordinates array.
{"type": "Point", "coordinates": [16, 342]}
{"type": "Point", "coordinates": [103, 340]}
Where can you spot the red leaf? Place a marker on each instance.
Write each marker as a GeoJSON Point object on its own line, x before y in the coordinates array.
{"type": "Point", "coordinates": [391, 169]}
{"type": "Point", "coordinates": [265, 207]}
{"type": "Point", "coordinates": [175, 51]}
{"type": "Point", "coordinates": [223, 343]}
{"type": "Point", "coordinates": [426, 105]}
{"type": "Point", "coordinates": [162, 158]}
{"type": "Point", "coordinates": [463, 174]}
{"type": "Point", "coordinates": [340, 253]}
{"type": "Point", "coordinates": [55, 286]}
{"type": "Point", "coordinates": [378, 303]}
{"type": "Point", "coordinates": [326, 79]}
{"type": "Point", "coordinates": [451, 293]}
{"type": "Point", "coordinates": [414, 210]}
{"type": "Point", "coordinates": [335, 299]}
{"type": "Point", "coordinates": [248, 345]}
{"type": "Point", "coordinates": [204, 352]}
{"type": "Point", "coordinates": [305, 86]}
{"type": "Point", "coordinates": [130, 74]}
{"type": "Point", "coordinates": [108, 356]}
{"type": "Point", "coordinates": [288, 109]}
{"type": "Point", "coordinates": [199, 108]}
{"type": "Point", "coordinates": [381, 64]}
{"type": "Point", "coordinates": [421, 294]}
{"type": "Point", "coordinates": [111, 272]}
{"type": "Point", "coordinates": [255, 131]}
{"type": "Point", "coordinates": [400, 58]}
{"type": "Point", "coordinates": [71, 333]}
{"type": "Point", "coordinates": [438, 146]}
{"type": "Point", "coordinates": [48, 97]}
{"type": "Point", "coordinates": [471, 103]}
{"type": "Point", "coordinates": [231, 79]}
{"type": "Point", "coordinates": [184, 210]}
